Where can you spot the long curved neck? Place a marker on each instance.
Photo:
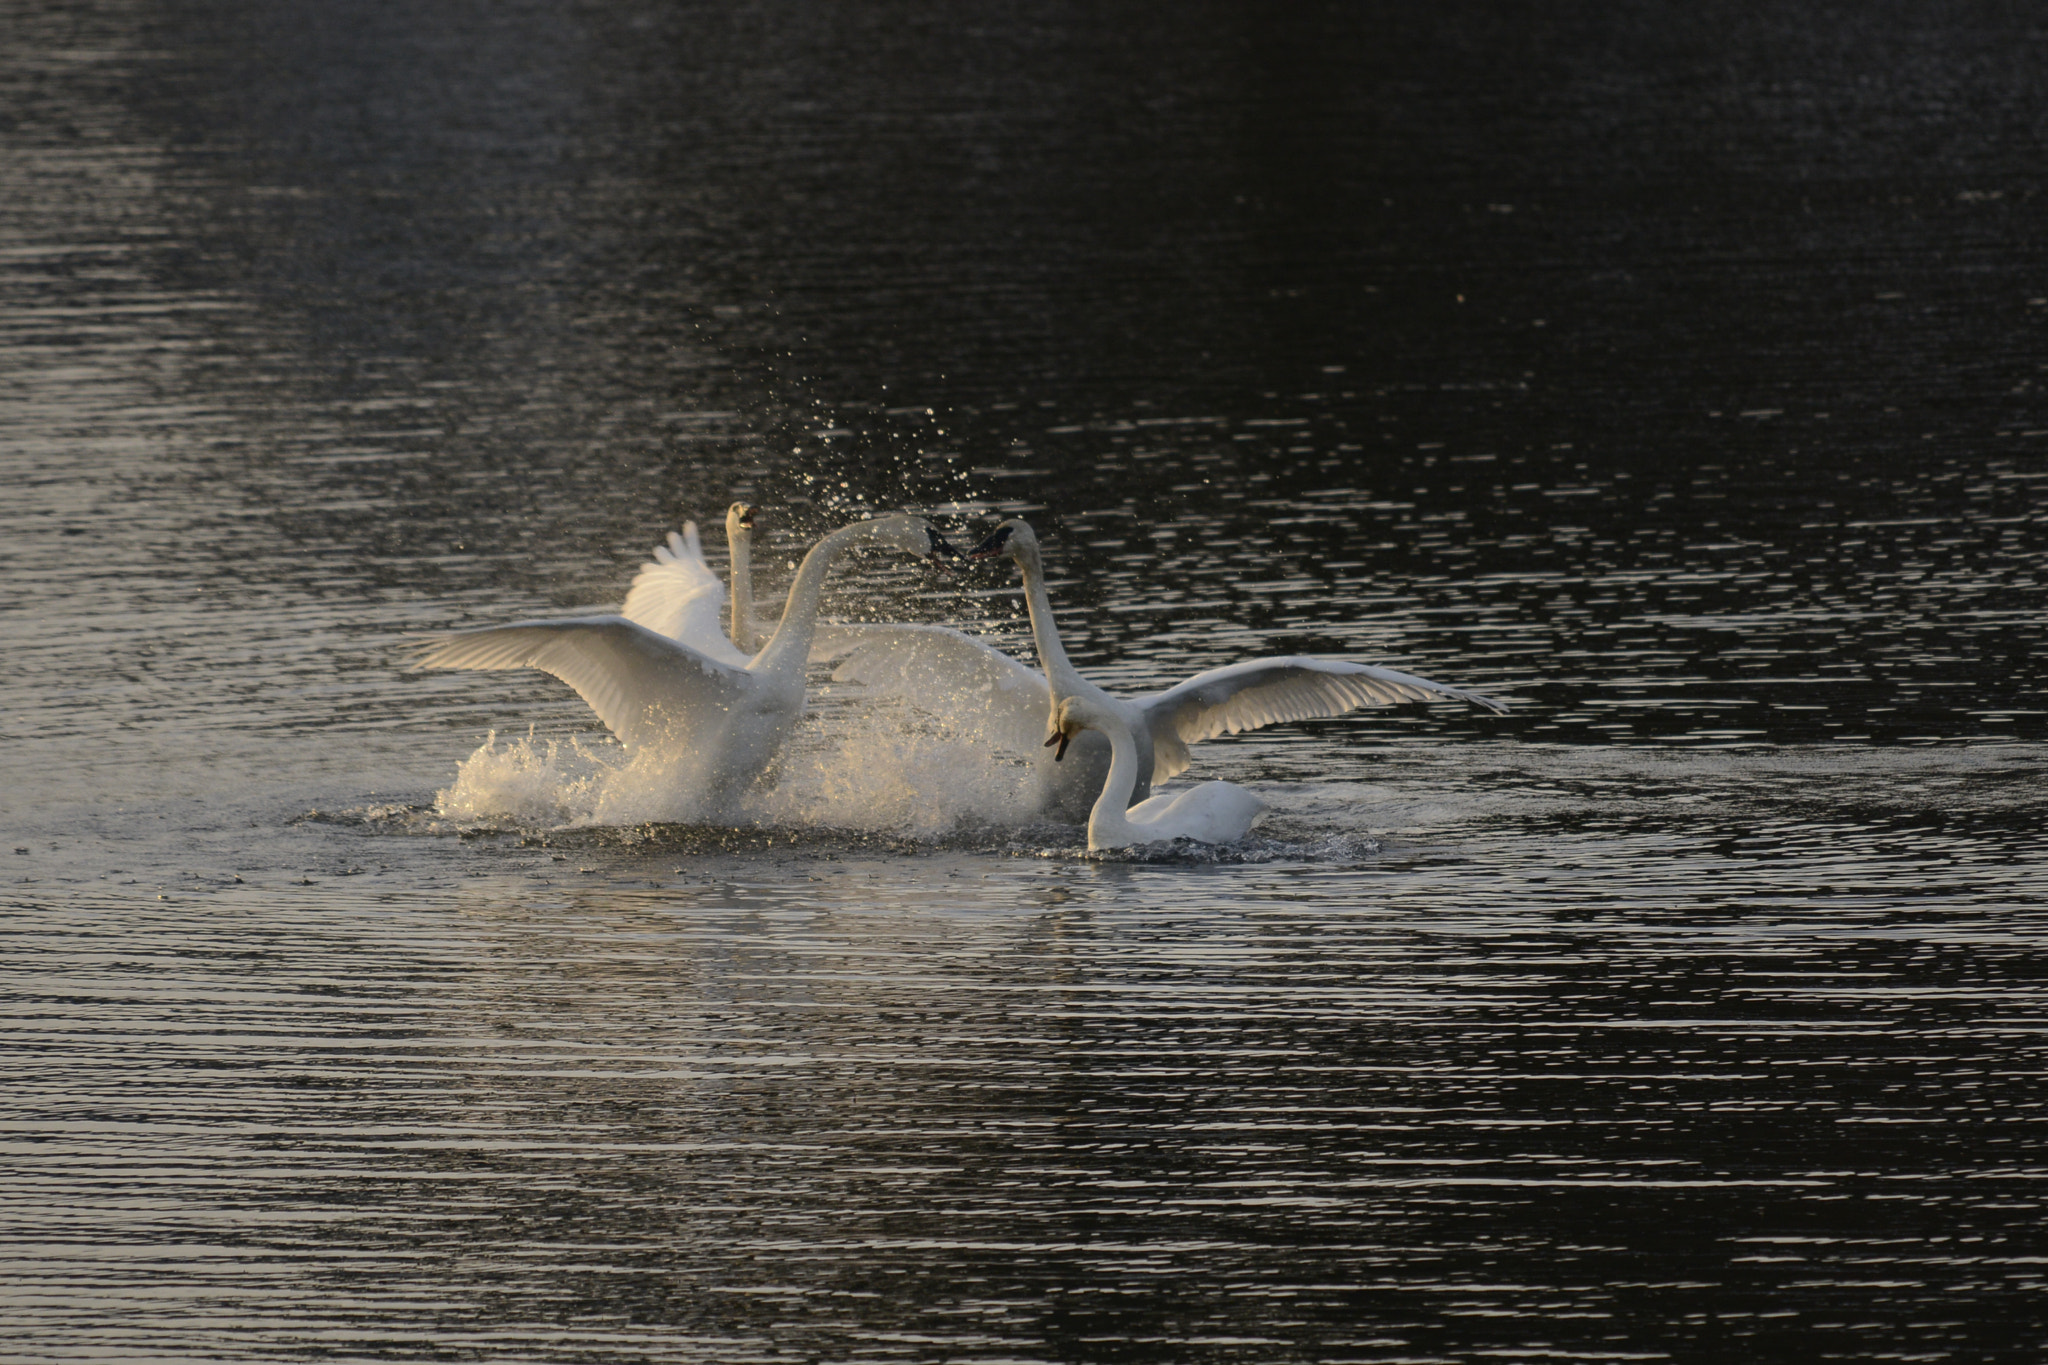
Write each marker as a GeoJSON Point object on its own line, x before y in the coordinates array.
{"type": "Point", "coordinates": [1052, 657]}
{"type": "Point", "coordinates": [740, 541]}
{"type": "Point", "coordinates": [790, 645]}
{"type": "Point", "coordinates": [1108, 826]}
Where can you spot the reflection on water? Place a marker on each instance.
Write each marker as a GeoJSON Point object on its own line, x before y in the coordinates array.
{"type": "Point", "coordinates": [1690, 1011]}
{"type": "Point", "coordinates": [1661, 1055]}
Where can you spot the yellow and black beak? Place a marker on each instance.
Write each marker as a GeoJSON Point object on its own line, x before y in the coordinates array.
{"type": "Point", "coordinates": [1059, 737]}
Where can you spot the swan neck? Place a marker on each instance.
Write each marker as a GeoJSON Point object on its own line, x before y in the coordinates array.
{"type": "Point", "coordinates": [790, 645]}
{"type": "Point", "coordinates": [1045, 635]}
{"type": "Point", "coordinates": [1108, 826]}
{"type": "Point", "coordinates": [742, 549]}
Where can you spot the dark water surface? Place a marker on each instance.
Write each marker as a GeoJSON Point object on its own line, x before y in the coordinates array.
{"type": "Point", "coordinates": [1676, 373]}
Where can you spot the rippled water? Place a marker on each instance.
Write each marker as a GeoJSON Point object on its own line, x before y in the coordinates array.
{"type": "Point", "coordinates": [1675, 378]}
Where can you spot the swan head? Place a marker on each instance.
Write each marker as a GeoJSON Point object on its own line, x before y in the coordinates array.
{"type": "Point", "coordinates": [1074, 715]}
{"type": "Point", "coordinates": [739, 519]}
{"type": "Point", "coordinates": [1014, 538]}
{"type": "Point", "coordinates": [914, 536]}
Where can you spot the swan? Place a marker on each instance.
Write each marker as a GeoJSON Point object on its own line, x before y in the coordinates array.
{"type": "Point", "coordinates": [1212, 813]}
{"type": "Point", "coordinates": [1013, 703]}
{"type": "Point", "coordinates": [720, 723]}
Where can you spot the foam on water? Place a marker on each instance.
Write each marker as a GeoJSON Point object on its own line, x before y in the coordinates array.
{"type": "Point", "coordinates": [525, 782]}
{"type": "Point", "coordinates": [858, 777]}
{"type": "Point", "coordinates": [882, 770]}
{"type": "Point", "coordinates": [890, 769]}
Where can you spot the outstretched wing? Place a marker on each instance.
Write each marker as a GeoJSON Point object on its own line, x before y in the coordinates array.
{"type": "Point", "coordinates": [677, 595]}
{"type": "Point", "coordinates": [643, 686]}
{"type": "Point", "coordinates": [947, 673]}
{"type": "Point", "coordinates": [1270, 691]}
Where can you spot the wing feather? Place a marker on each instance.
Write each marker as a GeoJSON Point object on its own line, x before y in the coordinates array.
{"type": "Point", "coordinates": [676, 594]}
{"type": "Point", "coordinates": [642, 685]}
{"type": "Point", "coordinates": [1262, 692]}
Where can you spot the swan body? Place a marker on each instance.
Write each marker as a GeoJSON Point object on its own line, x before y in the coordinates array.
{"type": "Point", "coordinates": [1014, 704]}
{"type": "Point", "coordinates": [1211, 813]}
{"type": "Point", "coordinates": [718, 722]}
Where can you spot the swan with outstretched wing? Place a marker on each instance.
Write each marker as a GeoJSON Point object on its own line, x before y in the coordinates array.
{"type": "Point", "coordinates": [723, 722]}
{"type": "Point", "coordinates": [978, 687]}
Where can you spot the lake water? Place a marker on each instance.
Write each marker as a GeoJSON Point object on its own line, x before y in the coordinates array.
{"type": "Point", "coordinates": [1676, 376]}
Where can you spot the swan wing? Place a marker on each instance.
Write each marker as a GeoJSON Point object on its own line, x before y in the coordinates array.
{"type": "Point", "coordinates": [676, 594]}
{"type": "Point", "coordinates": [640, 684]}
{"type": "Point", "coordinates": [947, 672]}
{"type": "Point", "coordinates": [1260, 692]}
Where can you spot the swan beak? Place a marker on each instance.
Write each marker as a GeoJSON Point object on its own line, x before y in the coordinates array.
{"type": "Point", "coordinates": [993, 546]}
{"type": "Point", "coordinates": [747, 518]}
{"type": "Point", "coordinates": [940, 551]}
{"type": "Point", "coordinates": [1059, 737]}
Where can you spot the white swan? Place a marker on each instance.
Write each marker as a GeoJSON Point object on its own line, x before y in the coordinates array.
{"type": "Point", "coordinates": [1013, 704]}
{"type": "Point", "coordinates": [1212, 813]}
{"type": "Point", "coordinates": [720, 723]}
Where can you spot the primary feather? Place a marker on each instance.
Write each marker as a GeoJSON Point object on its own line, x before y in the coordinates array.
{"type": "Point", "coordinates": [1261, 692]}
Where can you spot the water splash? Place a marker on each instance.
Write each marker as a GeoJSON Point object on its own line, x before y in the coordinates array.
{"type": "Point", "coordinates": [525, 782]}
{"type": "Point", "coordinates": [847, 778]}
{"type": "Point", "coordinates": [891, 768]}
{"type": "Point", "coordinates": [879, 770]}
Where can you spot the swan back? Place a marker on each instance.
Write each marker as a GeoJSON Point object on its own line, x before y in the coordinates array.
{"type": "Point", "coordinates": [1213, 813]}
